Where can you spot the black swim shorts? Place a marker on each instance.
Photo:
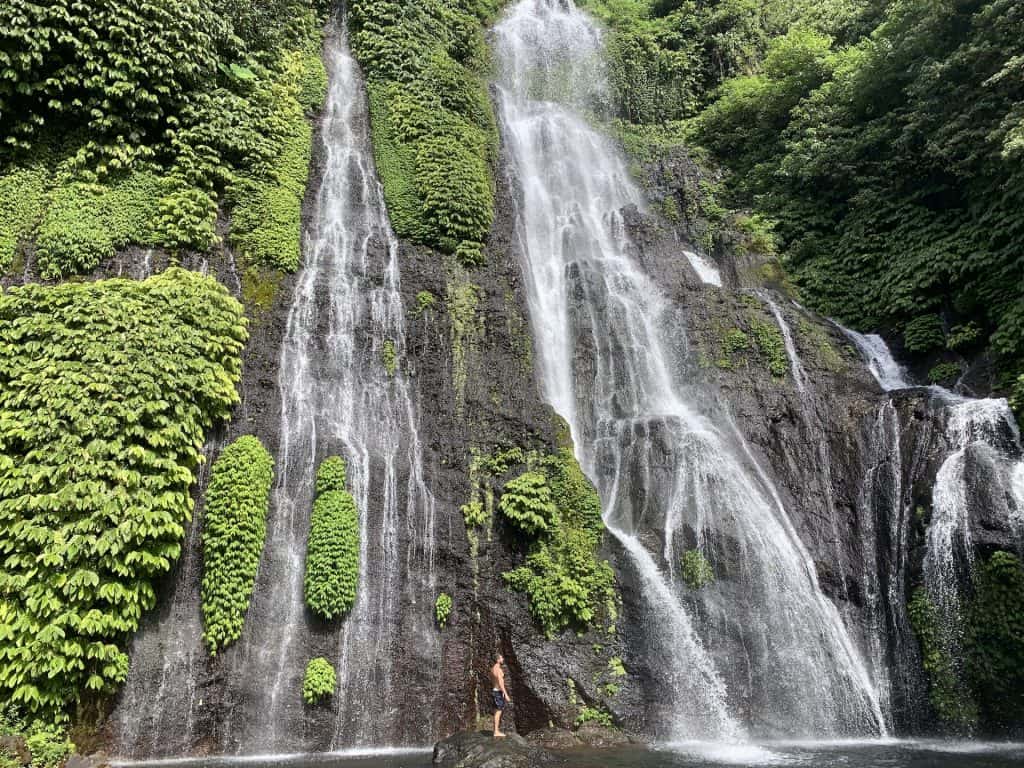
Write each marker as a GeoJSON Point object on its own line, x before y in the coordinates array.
{"type": "Point", "coordinates": [499, 699]}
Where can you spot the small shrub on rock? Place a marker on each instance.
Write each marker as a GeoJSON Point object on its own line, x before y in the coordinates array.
{"type": "Point", "coordinates": [319, 682]}
{"type": "Point", "coordinates": [332, 554]}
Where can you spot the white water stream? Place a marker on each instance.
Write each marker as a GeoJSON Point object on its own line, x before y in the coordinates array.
{"type": "Point", "coordinates": [338, 397]}
{"type": "Point", "coordinates": [770, 654]}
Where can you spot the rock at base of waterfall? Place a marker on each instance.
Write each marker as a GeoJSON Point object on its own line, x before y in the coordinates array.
{"type": "Point", "coordinates": [481, 750]}
{"type": "Point", "coordinates": [14, 747]}
{"type": "Point", "coordinates": [553, 738]}
{"type": "Point", "coordinates": [76, 760]}
{"type": "Point", "coordinates": [597, 736]}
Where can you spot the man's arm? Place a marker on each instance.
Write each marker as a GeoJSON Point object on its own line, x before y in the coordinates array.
{"type": "Point", "coordinates": [501, 683]}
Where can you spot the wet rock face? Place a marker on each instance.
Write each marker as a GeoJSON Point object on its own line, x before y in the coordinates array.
{"type": "Point", "coordinates": [482, 750]}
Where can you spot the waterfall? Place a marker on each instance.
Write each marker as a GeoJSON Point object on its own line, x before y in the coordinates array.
{"type": "Point", "coordinates": [163, 682]}
{"type": "Point", "coordinates": [762, 651]}
{"type": "Point", "coordinates": [337, 397]}
{"type": "Point", "coordinates": [705, 269]}
{"type": "Point", "coordinates": [795, 365]}
{"type": "Point", "coordinates": [887, 372]}
{"type": "Point", "coordinates": [981, 470]}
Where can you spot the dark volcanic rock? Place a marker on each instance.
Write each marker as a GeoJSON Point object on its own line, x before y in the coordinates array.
{"type": "Point", "coordinates": [15, 746]}
{"type": "Point", "coordinates": [601, 737]}
{"type": "Point", "coordinates": [86, 761]}
{"type": "Point", "coordinates": [482, 750]}
{"type": "Point", "coordinates": [553, 738]}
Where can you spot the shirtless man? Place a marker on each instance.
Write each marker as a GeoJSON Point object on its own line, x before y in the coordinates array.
{"type": "Point", "coordinates": [501, 697]}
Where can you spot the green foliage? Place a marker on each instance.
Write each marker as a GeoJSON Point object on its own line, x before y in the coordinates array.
{"type": "Point", "coordinates": [106, 390]}
{"type": "Point", "coordinates": [443, 609]}
{"type": "Point", "coordinates": [474, 514]}
{"type": "Point", "coordinates": [49, 746]}
{"type": "Point", "coordinates": [597, 715]}
{"type": "Point", "coordinates": [267, 217]}
{"type": "Point", "coordinates": [23, 192]}
{"type": "Point", "coordinates": [332, 475]}
{"type": "Point", "coordinates": [946, 691]}
{"type": "Point", "coordinates": [734, 341]}
{"type": "Point", "coordinates": [565, 581]}
{"type": "Point", "coordinates": [63, 67]}
{"type": "Point", "coordinates": [526, 503]}
{"type": "Point", "coordinates": [888, 150]}
{"type": "Point", "coordinates": [963, 337]}
{"type": "Point", "coordinates": [234, 530]}
{"type": "Point", "coordinates": [85, 223]}
{"type": "Point", "coordinates": [332, 554]}
{"type": "Point", "coordinates": [434, 132]}
{"type": "Point", "coordinates": [425, 302]}
{"type": "Point", "coordinates": [696, 570]}
{"type": "Point", "coordinates": [615, 667]}
{"type": "Point", "coordinates": [772, 347]}
{"type": "Point", "coordinates": [154, 137]}
{"type": "Point", "coordinates": [462, 301]}
{"type": "Point", "coordinates": [945, 373]}
{"type": "Point", "coordinates": [319, 682]}
{"type": "Point", "coordinates": [924, 333]}
{"type": "Point", "coordinates": [994, 640]}
{"type": "Point", "coordinates": [388, 358]}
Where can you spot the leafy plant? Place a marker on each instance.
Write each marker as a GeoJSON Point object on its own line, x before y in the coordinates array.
{"type": "Point", "coordinates": [994, 640]}
{"type": "Point", "coordinates": [772, 347]}
{"type": "Point", "coordinates": [49, 745]}
{"type": "Point", "coordinates": [319, 682]}
{"type": "Point", "coordinates": [565, 581]}
{"type": "Point", "coordinates": [425, 302]}
{"type": "Point", "coordinates": [923, 334]}
{"type": "Point", "coordinates": [235, 527]}
{"type": "Point", "coordinates": [434, 131]}
{"type": "Point", "coordinates": [696, 570]}
{"type": "Point", "coordinates": [946, 691]}
{"type": "Point", "coordinates": [388, 357]}
{"type": "Point", "coordinates": [332, 554]}
{"type": "Point", "coordinates": [945, 373]}
{"type": "Point", "coordinates": [597, 715]}
{"type": "Point", "coordinates": [106, 391]}
{"type": "Point", "coordinates": [443, 609]}
{"type": "Point", "coordinates": [332, 475]}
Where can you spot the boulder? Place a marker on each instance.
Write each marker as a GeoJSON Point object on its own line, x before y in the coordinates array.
{"type": "Point", "coordinates": [482, 750]}
{"type": "Point", "coordinates": [553, 738]}
{"type": "Point", "coordinates": [601, 737]}
{"type": "Point", "coordinates": [76, 760]}
{"type": "Point", "coordinates": [15, 746]}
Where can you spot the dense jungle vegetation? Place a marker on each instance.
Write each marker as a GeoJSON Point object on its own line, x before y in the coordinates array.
{"type": "Point", "coordinates": [880, 143]}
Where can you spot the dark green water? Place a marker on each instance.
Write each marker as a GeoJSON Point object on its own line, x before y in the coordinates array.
{"type": "Point", "coordinates": [890, 754]}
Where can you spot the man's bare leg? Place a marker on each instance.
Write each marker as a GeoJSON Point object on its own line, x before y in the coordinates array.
{"type": "Point", "coordinates": [497, 723]}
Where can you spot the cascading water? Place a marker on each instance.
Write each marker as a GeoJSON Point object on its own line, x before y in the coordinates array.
{"type": "Point", "coordinates": [338, 396]}
{"type": "Point", "coordinates": [887, 372]}
{"type": "Point", "coordinates": [983, 466]}
{"type": "Point", "coordinates": [162, 686]}
{"type": "Point", "coordinates": [769, 654]}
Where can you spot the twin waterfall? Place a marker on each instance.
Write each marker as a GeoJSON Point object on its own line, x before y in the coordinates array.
{"type": "Point", "coordinates": [759, 653]}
